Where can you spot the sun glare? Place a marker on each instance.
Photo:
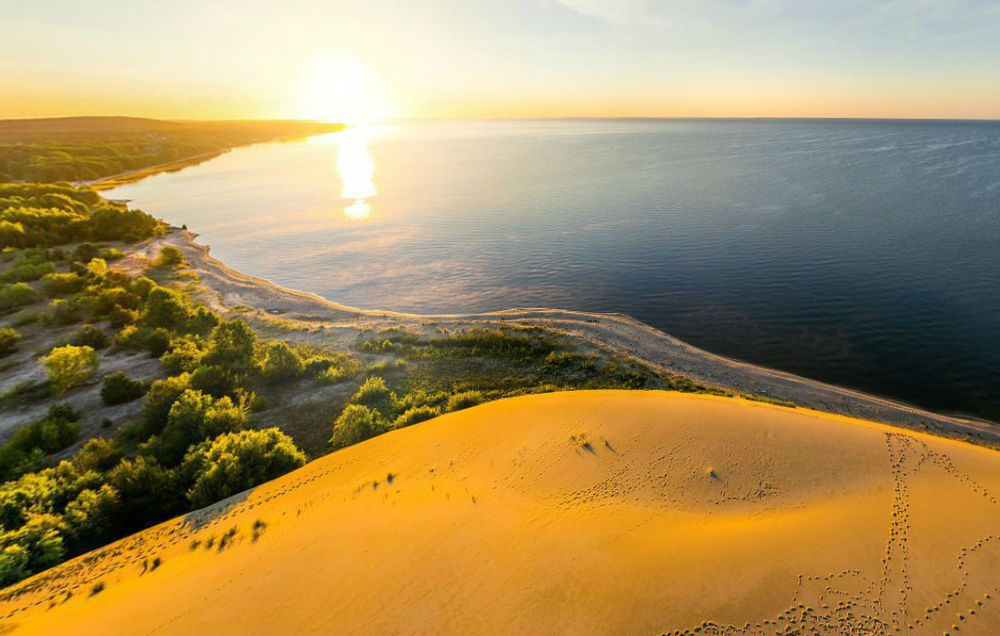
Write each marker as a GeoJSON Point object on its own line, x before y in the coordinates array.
{"type": "Point", "coordinates": [338, 88]}
{"type": "Point", "coordinates": [357, 172]}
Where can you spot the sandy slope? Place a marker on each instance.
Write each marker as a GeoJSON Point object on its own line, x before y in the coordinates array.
{"type": "Point", "coordinates": [585, 513]}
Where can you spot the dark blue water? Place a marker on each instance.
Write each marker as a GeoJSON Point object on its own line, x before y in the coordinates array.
{"type": "Point", "coordinates": [866, 254]}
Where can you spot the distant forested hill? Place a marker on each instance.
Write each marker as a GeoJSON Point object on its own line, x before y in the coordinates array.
{"type": "Point", "coordinates": [87, 148]}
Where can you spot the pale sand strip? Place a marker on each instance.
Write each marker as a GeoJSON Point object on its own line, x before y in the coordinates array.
{"type": "Point", "coordinates": [225, 288]}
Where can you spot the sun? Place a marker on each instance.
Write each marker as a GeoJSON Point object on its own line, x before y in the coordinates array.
{"type": "Point", "coordinates": [339, 89]}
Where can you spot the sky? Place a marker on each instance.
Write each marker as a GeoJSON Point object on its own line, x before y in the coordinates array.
{"type": "Point", "coordinates": [371, 59]}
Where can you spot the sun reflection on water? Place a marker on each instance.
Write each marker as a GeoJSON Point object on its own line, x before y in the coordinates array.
{"type": "Point", "coordinates": [357, 173]}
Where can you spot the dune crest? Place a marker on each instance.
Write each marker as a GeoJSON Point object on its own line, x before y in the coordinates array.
{"type": "Point", "coordinates": [599, 512]}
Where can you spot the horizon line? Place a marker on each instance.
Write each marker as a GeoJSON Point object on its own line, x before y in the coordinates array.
{"type": "Point", "coordinates": [524, 118]}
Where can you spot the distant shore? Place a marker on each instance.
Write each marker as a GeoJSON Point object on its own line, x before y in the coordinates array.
{"type": "Point", "coordinates": [138, 174]}
{"type": "Point", "coordinates": [308, 317]}
{"type": "Point", "coordinates": [131, 176]}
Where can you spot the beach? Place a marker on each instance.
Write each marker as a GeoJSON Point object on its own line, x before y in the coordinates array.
{"type": "Point", "coordinates": [306, 317]}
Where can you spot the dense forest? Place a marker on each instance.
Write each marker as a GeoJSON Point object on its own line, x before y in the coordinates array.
{"type": "Point", "coordinates": [89, 148]}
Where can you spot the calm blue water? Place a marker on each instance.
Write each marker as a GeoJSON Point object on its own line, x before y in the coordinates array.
{"type": "Point", "coordinates": [865, 254]}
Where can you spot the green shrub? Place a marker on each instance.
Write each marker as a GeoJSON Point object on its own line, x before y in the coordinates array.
{"type": "Point", "coordinates": [170, 256]}
{"type": "Point", "coordinates": [62, 312]}
{"type": "Point", "coordinates": [89, 336]}
{"type": "Point", "coordinates": [27, 448]}
{"type": "Point", "coordinates": [85, 251]}
{"type": "Point", "coordinates": [112, 254]}
{"type": "Point", "coordinates": [202, 321]}
{"type": "Point", "coordinates": [184, 354]}
{"type": "Point", "coordinates": [148, 491]}
{"type": "Point", "coordinates": [110, 297]}
{"type": "Point", "coordinates": [193, 417]}
{"type": "Point", "coordinates": [69, 366]}
{"type": "Point", "coordinates": [234, 462]}
{"type": "Point", "coordinates": [28, 271]}
{"type": "Point", "coordinates": [212, 379]}
{"type": "Point", "coordinates": [155, 341]}
{"type": "Point", "coordinates": [24, 318]}
{"type": "Point", "coordinates": [142, 286]}
{"type": "Point", "coordinates": [569, 361]}
{"type": "Point", "coordinates": [371, 390]}
{"type": "Point", "coordinates": [16, 295]}
{"type": "Point", "coordinates": [421, 397]}
{"type": "Point", "coordinates": [98, 267]}
{"type": "Point", "coordinates": [41, 540]}
{"type": "Point", "coordinates": [118, 388]}
{"type": "Point", "coordinates": [91, 517]}
{"type": "Point", "coordinates": [280, 363]}
{"type": "Point", "coordinates": [57, 284]}
{"type": "Point", "coordinates": [232, 346]}
{"type": "Point", "coordinates": [464, 400]}
{"type": "Point", "coordinates": [13, 564]}
{"type": "Point", "coordinates": [9, 339]}
{"type": "Point", "coordinates": [373, 393]}
{"type": "Point", "coordinates": [159, 399]}
{"type": "Point", "coordinates": [376, 345]}
{"type": "Point", "coordinates": [332, 368]}
{"type": "Point", "coordinates": [121, 317]}
{"type": "Point", "coordinates": [165, 308]}
{"type": "Point", "coordinates": [415, 415]}
{"type": "Point", "coordinates": [98, 454]}
{"type": "Point", "coordinates": [356, 424]}
{"type": "Point", "coordinates": [517, 345]}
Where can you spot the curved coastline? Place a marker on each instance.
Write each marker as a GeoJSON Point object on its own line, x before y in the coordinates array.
{"type": "Point", "coordinates": [306, 316]}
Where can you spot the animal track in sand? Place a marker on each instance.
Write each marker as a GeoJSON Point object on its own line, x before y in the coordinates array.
{"type": "Point", "coordinates": [827, 604]}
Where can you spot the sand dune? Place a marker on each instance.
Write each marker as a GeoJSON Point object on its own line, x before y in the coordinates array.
{"type": "Point", "coordinates": [585, 513]}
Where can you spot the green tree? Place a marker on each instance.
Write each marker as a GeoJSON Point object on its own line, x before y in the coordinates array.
{"type": "Point", "coordinates": [90, 518]}
{"type": "Point", "coordinates": [13, 564]}
{"type": "Point", "coordinates": [69, 366]}
{"type": "Point", "coordinates": [280, 363]}
{"type": "Point", "coordinates": [160, 399]}
{"type": "Point", "coordinates": [148, 491]}
{"type": "Point", "coordinates": [165, 308]}
{"type": "Point", "coordinates": [355, 424]}
{"type": "Point", "coordinates": [374, 394]}
{"type": "Point", "coordinates": [196, 416]}
{"type": "Point", "coordinates": [213, 379]}
{"type": "Point", "coordinates": [118, 388]}
{"type": "Point", "coordinates": [234, 462]}
{"type": "Point", "coordinates": [231, 346]}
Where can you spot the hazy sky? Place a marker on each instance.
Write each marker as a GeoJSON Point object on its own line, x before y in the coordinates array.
{"type": "Point", "coordinates": [439, 58]}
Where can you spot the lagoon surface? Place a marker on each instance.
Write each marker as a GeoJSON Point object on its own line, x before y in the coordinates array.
{"type": "Point", "coordinates": [866, 254]}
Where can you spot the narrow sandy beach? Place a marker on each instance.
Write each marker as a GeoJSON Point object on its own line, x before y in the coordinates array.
{"type": "Point", "coordinates": [594, 512]}
{"type": "Point", "coordinates": [308, 317]}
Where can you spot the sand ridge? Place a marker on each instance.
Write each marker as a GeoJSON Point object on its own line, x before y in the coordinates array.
{"type": "Point", "coordinates": [596, 512]}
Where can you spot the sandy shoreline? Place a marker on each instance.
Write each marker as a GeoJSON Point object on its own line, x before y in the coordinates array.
{"type": "Point", "coordinates": [311, 318]}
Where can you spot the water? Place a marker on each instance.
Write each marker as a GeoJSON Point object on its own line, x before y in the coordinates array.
{"type": "Point", "coordinates": [866, 254]}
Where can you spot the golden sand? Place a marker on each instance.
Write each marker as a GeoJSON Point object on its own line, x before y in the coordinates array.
{"type": "Point", "coordinates": [604, 512]}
